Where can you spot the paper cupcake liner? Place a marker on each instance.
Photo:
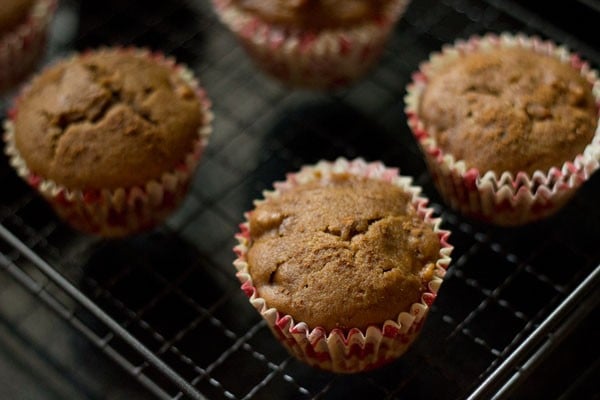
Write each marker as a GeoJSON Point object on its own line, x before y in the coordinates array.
{"type": "Point", "coordinates": [505, 199]}
{"type": "Point", "coordinates": [316, 60]}
{"type": "Point", "coordinates": [353, 350]}
{"type": "Point", "coordinates": [24, 46]}
{"type": "Point", "coordinates": [122, 211]}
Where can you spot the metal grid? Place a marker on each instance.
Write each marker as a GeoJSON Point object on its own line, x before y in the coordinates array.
{"type": "Point", "coordinates": [166, 305]}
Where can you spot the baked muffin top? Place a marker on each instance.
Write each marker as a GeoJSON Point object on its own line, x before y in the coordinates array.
{"type": "Point", "coordinates": [348, 252]}
{"type": "Point", "coordinates": [315, 14]}
{"type": "Point", "coordinates": [107, 119]}
{"type": "Point", "coordinates": [509, 110]}
{"type": "Point", "coordinates": [13, 12]}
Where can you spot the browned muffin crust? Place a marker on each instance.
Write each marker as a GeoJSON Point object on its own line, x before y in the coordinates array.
{"type": "Point", "coordinates": [510, 110]}
{"type": "Point", "coordinates": [107, 120]}
{"type": "Point", "coordinates": [12, 13]}
{"type": "Point", "coordinates": [315, 14]}
{"type": "Point", "coordinates": [350, 252]}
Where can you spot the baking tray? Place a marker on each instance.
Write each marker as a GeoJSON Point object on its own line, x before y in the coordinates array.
{"type": "Point", "coordinates": [166, 305]}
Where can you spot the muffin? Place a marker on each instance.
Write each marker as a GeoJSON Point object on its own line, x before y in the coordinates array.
{"type": "Point", "coordinates": [23, 31]}
{"type": "Point", "coordinates": [110, 138]}
{"type": "Point", "coordinates": [317, 44]}
{"type": "Point", "coordinates": [343, 261]}
{"type": "Point", "coordinates": [508, 126]}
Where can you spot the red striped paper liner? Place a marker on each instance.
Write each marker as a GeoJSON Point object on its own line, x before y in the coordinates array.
{"type": "Point", "coordinates": [307, 59]}
{"type": "Point", "coordinates": [353, 350]}
{"type": "Point", "coordinates": [128, 210]}
{"type": "Point", "coordinates": [23, 47]}
{"type": "Point", "coordinates": [506, 199]}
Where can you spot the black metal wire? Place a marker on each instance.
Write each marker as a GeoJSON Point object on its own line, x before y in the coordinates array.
{"type": "Point", "coordinates": [89, 305]}
{"type": "Point", "coordinates": [263, 131]}
{"type": "Point", "coordinates": [577, 304]}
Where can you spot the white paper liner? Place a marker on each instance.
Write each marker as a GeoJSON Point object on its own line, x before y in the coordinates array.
{"type": "Point", "coordinates": [22, 47]}
{"type": "Point", "coordinates": [122, 211]}
{"type": "Point", "coordinates": [355, 350]}
{"type": "Point", "coordinates": [323, 60]}
{"type": "Point", "coordinates": [508, 199]}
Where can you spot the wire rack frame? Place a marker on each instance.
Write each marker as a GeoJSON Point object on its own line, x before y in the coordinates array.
{"type": "Point", "coordinates": [36, 240]}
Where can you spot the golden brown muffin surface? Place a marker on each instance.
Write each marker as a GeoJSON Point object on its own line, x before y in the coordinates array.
{"type": "Point", "coordinates": [315, 14]}
{"type": "Point", "coordinates": [108, 119]}
{"type": "Point", "coordinates": [350, 252]}
{"type": "Point", "coordinates": [13, 12]}
{"type": "Point", "coordinates": [509, 110]}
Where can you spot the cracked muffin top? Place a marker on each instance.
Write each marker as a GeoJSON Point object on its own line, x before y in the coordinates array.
{"type": "Point", "coordinates": [13, 12]}
{"type": "Point", "coordinates": [316, 14]}
{"type": "Point", "coordinates": [509, 110]}
{"type": "Point", "coordinates": [342, 253]}
{"type": "Point", "coordinates": [107, 119]}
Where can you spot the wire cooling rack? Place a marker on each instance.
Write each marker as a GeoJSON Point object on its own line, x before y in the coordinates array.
{"type": "Point", "coordinates": [166, 305]}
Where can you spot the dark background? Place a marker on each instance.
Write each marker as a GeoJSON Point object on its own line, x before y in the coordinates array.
{"type": "Point", "coordinates": [174, 289]}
